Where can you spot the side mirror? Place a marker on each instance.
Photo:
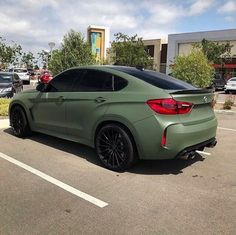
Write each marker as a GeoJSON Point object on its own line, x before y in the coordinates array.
{"type": "Point", "coordinates": [41, 87]}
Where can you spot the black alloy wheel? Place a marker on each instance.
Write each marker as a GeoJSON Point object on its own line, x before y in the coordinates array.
{"type": "Point", "coordinates": [114, 147]}
{"type": "Point", "coordinates": [19, 122]}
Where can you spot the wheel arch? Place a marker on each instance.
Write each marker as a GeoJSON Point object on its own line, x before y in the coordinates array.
{"type": "Point", "coordinates": [15, 104]}
{"type": "Point", "coordinates": [131, 131]}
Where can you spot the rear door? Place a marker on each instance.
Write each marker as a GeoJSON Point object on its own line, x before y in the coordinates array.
{"type": "Point", "coordinates": [88, 102]}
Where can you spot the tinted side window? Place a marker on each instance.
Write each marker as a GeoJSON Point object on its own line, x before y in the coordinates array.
{"type": "Point", "coordinates": [94, 80]}
{"type": "Point", "coordinates": [119, 83]}
{"type": "Point", "coordinates": [64, 81]}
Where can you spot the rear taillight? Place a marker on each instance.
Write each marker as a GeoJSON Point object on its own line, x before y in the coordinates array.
{"type": "Point", "coordinates": [169, 106]}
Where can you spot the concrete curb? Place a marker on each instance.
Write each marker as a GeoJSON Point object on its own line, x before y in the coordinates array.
{"type": "Point", "coordinates": [4, 123]}
{"type": "Point", "coordinates": [224, 111]}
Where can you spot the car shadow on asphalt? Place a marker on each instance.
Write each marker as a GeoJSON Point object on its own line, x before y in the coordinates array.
{"type": "Point", "coordinates": [147, 167]}
{"type": "Point", "coordinates": [164, 167]}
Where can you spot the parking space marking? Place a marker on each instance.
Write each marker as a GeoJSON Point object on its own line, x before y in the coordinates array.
{"type": "Point", "coordinates": [226, 129]}
{"type": "Point", "coordinates": [56, 182]}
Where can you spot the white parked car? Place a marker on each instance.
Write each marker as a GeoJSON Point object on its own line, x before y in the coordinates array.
{"type": "Point", "coordinates": [230, 85]}
{"type": "Point", "coordinates": [22, 73]}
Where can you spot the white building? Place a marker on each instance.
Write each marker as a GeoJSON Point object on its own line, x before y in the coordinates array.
{"type": "Point", "coordinates": [181, 44]}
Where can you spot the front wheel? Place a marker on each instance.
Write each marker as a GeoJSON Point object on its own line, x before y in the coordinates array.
{"type": "Point", "coordinates": [19, 122]}
{"type": "Point", "coordinates": [115, 147]}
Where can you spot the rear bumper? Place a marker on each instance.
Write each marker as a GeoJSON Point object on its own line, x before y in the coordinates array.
{"type": "Point", "coordinates": [230, 88]}
{"type": "Point", "coordinates": [208, 143]}
{"type": "Point", "coordinates": [179, 139]}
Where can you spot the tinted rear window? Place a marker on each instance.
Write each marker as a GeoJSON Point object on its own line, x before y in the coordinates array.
{"type": "Point", "coordinates": [232, 80]}
{"type": "Point", "coordinates": [20, 70]}
{"type": "Point", "coordinates": [156, 79]}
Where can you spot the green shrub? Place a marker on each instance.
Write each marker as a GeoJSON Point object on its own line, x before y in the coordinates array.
{"type": "Point", "coordinates": [193, 68]}
{"type": "Point", "coordinates": [4, 104]}
{"type": "Point", "coordinates": [227, 104]}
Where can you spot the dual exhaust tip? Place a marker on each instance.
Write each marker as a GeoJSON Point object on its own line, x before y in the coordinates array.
{"type": "Point", "coordinates": [192, 154]}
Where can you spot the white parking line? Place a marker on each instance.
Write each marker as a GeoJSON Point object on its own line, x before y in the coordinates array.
{"type": "Point", "coordinates": [227, 129]}
{"type": "Point", "coordinates": [56, 182]}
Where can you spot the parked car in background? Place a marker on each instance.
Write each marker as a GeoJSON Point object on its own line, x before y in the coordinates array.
{"type": "Point", "coordinates": [23, 74]}
{"type": "Point", "coordinates": [218, 82]}
{"type": "Point", "coordinates": [45, 77]}
{"type": "Point", "coordinates": [230, 85]}
{"type": "Point", "coordinates": [124, 113]}
{"type": "Point", "coordinates": [10, 84]}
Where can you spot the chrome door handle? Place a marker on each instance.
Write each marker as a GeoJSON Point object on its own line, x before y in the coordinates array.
{"type": "Point", "coordinates": [100, 99]}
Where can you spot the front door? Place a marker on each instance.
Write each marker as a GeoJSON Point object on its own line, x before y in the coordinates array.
{"type": "Point", "coordinates": [48, 112]}
{"type": "Point", "coordinates": [48, 108]}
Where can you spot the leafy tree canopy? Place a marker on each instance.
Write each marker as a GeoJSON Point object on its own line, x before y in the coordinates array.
{"type": "Point", "coordinates": [74, 51]}
{"type": "Point", "coordinates": [194, 69]}
{"type": "Point", "coordinates": [9, 53]}
{"type": "Point", "coordinates": [215, 52]}
{"type": "Point", "coordinates": [28, 59]}
{"type": "Point", "coordinates": [129, 51]}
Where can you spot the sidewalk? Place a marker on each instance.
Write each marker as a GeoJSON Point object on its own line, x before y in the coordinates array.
{"type": "Point", "coordinates": [4, 123]}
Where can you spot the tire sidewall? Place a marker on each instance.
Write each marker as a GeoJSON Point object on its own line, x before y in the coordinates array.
{"type": "Point", "coordinates": [25, 130]}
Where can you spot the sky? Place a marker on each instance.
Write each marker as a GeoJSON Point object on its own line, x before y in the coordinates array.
{"type": "Point", "coordinates": [35, 23]}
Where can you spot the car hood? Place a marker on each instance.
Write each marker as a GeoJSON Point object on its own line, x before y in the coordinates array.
{"type": "Point", "coordinates": [5, 85]}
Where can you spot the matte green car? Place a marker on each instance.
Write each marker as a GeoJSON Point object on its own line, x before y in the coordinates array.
{"type": "Point", "coordinates": [124, 113]}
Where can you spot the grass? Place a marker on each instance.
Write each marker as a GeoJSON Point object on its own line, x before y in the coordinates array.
{"type": "Point", "coordinates": [4, 104]}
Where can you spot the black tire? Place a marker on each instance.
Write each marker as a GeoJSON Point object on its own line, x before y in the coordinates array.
{"type": "Point", "coordinates": [115, 148]}
{"type": "Point", "coordinates": [19, 122]}
{"type": "Point", "coordinates": [227, 91]}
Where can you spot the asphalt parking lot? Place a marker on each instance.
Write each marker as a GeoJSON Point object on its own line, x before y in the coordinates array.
{"type": "Point", "coordinates": [50, 186]}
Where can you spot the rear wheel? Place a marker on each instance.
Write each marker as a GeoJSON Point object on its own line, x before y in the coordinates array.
{"type": "Point", "coordinates": [114, 147]}
{"type": "Point", "coordinates": [19, 122]}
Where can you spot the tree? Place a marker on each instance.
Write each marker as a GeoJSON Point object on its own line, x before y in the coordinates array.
{"type": "Point", "coordinates": [129, 51]}
{"type": "Point", "coordinates": [193, 68]}
{"type": "Point", "coordinates": [74, 51]}
{"type": "Point", "coordinates": [28, 59]}
{"type": "Point", "coordinates": [215, 52]}
{"type": "Point", "coordinates": [9, 54]}
{"type": "Point", "coordinates": [43, 57]}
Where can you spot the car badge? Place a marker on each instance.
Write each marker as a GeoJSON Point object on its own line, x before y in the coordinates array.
{"type": "Point", "coordinates": [205, 99]}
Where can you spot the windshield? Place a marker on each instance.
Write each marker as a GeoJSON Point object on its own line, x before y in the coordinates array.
{"type": "Point", "coordinates": [5, 78]}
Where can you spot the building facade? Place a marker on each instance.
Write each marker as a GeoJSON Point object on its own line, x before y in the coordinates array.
{"type": "Point", "coordinates": [182, 44]}
{"type": "Point", "coordinates": [157, 49]}
{"type": "Point", "coordinates": [98, 38]}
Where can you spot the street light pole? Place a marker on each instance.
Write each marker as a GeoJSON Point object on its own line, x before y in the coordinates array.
{"type": "Point", "coordinates": [51, 45]}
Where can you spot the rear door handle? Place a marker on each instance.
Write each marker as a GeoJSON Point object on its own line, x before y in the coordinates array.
{"type": "Point", "coordinates": [100, 99]}
{"type": "Point", "coordinates": [61, 98]}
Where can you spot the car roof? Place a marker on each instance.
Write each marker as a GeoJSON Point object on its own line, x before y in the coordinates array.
{"type": "Point", "coordinates": [154, 78]}
{"type": "Point", "coordinates": [232, 79]}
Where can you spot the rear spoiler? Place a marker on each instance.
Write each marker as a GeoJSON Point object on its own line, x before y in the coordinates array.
{"type": "Point", "coordinates": [194, 91]}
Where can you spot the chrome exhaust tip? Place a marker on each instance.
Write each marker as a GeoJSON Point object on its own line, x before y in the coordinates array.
{"type": "Point", "coordinates": [188, 156]}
